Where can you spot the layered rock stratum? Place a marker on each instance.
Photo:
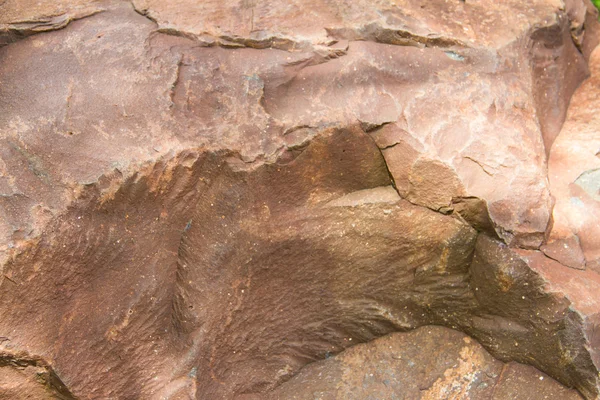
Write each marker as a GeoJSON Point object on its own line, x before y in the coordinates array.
{"type": "Point", "coordinates": [229, 200]}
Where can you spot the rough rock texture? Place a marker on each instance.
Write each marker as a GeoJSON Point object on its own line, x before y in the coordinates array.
{"type": "Point", "coordinates": [198, 199]}
{"type": "Point", "coordinates": [397, 366]}
{"type": "Point", "coordinates": [573, 171]}
{"type": "Point", "coordinates": [19, 19]}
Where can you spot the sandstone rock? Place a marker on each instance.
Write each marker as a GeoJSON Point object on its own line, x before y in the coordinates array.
{"type": "Point", "coordinates": [23, 377]}
{"type": "Point", "coordinates": [572, 173]}
{"type": "Point", "coordinates": [20, 18]}
{"type": "Point", "coordinates": [397, 367]}
{"type": "Point", "coordinates": [198, 199]}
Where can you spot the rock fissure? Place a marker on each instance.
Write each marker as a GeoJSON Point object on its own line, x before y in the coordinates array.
{"type": "Point", "coordinates": [35, 369]}
{"type": "Point", "coordinates": [14, 31]}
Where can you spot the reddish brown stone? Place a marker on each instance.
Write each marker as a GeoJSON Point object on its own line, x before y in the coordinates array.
{"type": "Point", "coordinates": [199, 199]}
{"type": "Point", "coordinates": [428, 363]}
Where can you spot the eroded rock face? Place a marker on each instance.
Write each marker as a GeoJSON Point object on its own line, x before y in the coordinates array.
{"type": "Point", "coordinates": [199, 199]}
{"type": "Point", "coordinates": [395, 366]}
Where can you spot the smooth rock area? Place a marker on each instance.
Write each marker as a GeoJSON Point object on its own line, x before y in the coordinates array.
{"type": "Point", "coordinates": [244, 200]}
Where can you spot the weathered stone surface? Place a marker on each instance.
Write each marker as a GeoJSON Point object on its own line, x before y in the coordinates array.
{"type": "Point", "coordinates": [397, 366]}
{"type": "Point", "coordinates": [22, 18]}
{"type": "Point", "coordinates": [574, 181]}
{"type": "Point", "coordinates": [198, 199]}
{"type": "Point", "coordinates": [523, 317]}
{"type": "Point", "coordinates": [23, 377]}
{"type": "Point", "coordinates": [571, 258]}
{"type": "Point", "coordinates": [455, 125]}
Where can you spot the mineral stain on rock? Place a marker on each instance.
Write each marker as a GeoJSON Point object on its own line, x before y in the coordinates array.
{"type": "Point", "coordinates": [263, 200]}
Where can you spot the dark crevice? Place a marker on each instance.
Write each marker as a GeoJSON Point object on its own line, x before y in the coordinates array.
{"type": "Point", "coordinates": [387, 168]}
{"type": "Point", "coordinates": [370, 127]}
{"type": "Point", "coordinates": [176, 80]}
{"type": "Point", "coordinates": [474, 218]}
{"type": "Point", "coordinates": [376, 33]}
{"type": "Point", "coordinates": [17, 30]}
{"type": "Point", "coordinates": [371, 32]}
{"type": "Point", "coordinates": [144, 13]}
{"type": "Point", "coordinates": [478, 163]}
{"type": "Point", "coordinates": [49, 379]}
{"type": "Point", "coordinates": [560, 262]}
{"type": "Point", "coordinates": [390, 146]}
{"type": "Point", "coordinates": [499, 380]}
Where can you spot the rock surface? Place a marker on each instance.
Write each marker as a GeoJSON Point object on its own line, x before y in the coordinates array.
{"type": "Point", "coordinates": [428, 363]}
{"type": "Point", "coordinates": [198, 199]}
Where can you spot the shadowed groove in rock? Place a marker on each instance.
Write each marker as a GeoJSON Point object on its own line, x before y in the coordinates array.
{"type": "Point", "coordinates": [49, 384]}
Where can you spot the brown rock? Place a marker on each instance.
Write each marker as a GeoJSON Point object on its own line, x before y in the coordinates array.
{"type": "Point", "coordinates": [198, 199]}
{"type": "Point", "coordinates": [433, 185]}
{"type": "Point", "coordinates": [23, 377]}
{"type": "Point", "coordinates": [22, 18]}
{"type": "Point", "coordinates": [397, 366]}
{"type": "Point", "coordinates": [566, 251]}
{"type": "Point", "coordinates": [453, 44]}
{"type": "Point", "coordinates": [572, 173]}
